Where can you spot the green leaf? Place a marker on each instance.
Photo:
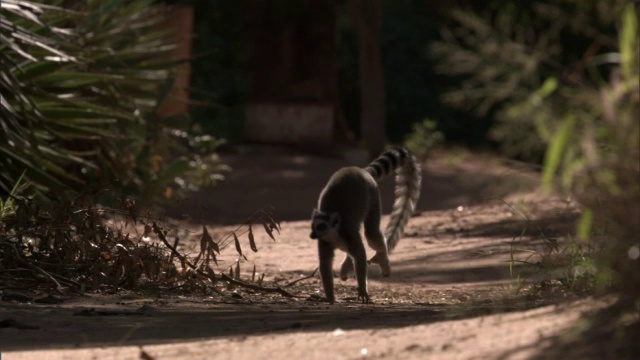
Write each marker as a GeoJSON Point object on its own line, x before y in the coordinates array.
{"type": "Point", "coordinates": [35, 173]}
{"type": "Point", "coordinates": [585, 223]}
{"type": "Point", "coordinates": [66, 113]}
{"type": "Point", "coordinates": [556, 150]}
{"type": "Point", "coordinates": [176, 168]}
{"type": "Point", "coordinates": [629, 43]}
{"type": "Point", "coordinates": [33, 71]}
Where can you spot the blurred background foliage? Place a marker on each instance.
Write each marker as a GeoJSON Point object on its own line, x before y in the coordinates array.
{"type": "Point", "coordinates": [468, 65]}
{"type": "Point", "coordinates": [508, 55]}
{"type": "Point", "coordinates": [219, 66]}
{"type": "Point", "coordinates": [560, 83]}
{"type": "Point", "coordinates": [412, 86]}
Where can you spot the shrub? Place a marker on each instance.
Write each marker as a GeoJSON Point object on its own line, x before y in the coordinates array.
{"type": "Point", "coordinates": [597, 149]}
{"type": "Point", "coordinates": [81, 83]}
{"type": "Point", "coordinates": [510, 55]}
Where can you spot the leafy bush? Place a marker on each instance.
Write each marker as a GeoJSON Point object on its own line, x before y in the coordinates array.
{"type": "Point", "coordinates": [597, 150]}
{"type": "Point", "coordinates": [562, 81]}
{"type": "Point", "coordinates": [424, 138]}
{"type": "Point", "coordinates": [505, 54]}
{"type": "Point", "coordinates": [81, 83]}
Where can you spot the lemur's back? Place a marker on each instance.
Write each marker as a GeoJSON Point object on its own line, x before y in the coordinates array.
{"type": "Point", "coordinates": [349, 188]}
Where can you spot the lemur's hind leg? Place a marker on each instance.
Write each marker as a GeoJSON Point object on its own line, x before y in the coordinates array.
{"type": "Point", "coordinates": [346, 268]}
{"type": "Point", "coordinates": [375, 238]}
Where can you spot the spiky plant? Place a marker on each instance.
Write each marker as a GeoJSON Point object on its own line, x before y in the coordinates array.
{"type": "Point", "coordinates": [81, 83]}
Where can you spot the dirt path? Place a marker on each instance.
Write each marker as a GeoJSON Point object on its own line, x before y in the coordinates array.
{"type": "Point", "coordinates": [451, 293]}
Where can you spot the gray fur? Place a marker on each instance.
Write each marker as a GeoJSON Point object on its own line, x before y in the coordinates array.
{"type": "Point", "coordinates": [350, 198]}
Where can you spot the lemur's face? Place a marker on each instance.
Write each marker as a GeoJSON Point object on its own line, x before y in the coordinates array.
{"type": "Point", "coordinates": [323, 224]}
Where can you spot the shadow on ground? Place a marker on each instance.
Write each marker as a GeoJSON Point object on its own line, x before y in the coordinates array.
{"type": "Point", "coordinates": [119, 325]}
{"type": "Point", "coordinates": [291, 183]}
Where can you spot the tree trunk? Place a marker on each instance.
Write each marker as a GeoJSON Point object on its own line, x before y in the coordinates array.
{"type": "Point", "coordinates": [366, 16]}
{"type": "Point", "coordinates": [179, 21]}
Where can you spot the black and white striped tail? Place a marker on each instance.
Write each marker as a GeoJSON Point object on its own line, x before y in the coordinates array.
{"type": "Point", "coordinates": [407, 192]}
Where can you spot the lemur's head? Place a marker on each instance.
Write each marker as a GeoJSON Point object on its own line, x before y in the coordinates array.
{"type": "Point", "coordinates": [323, 223]}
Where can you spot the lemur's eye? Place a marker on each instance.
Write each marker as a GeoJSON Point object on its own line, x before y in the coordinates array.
{"type": "Point", "coordinates": [321, 227]}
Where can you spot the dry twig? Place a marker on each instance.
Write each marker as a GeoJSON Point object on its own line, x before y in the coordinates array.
{"type": "Point", "coordinates": [302, 279]}
{"type": "Point", "coordinates": [278, 290]}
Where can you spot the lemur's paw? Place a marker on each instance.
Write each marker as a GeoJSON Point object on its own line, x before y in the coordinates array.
{"type": "Point", "coordinates": [363, 296]}
{"type": "Point", "coordinates": [383, 261]}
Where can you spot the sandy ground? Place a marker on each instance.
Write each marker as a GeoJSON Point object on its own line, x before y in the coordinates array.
{"type": "Point", "coordinates": [452, 293]}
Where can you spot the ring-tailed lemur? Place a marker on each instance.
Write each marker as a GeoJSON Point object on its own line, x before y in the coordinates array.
{"type": "Point", "coordinates": [351, 197]}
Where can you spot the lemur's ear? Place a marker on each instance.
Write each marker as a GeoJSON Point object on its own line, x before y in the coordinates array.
{"type": "Point", "coordinates": [314, 212]}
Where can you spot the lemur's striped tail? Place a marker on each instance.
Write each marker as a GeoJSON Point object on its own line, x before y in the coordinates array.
{"type": "Point", "coordinates": [408, 181]}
